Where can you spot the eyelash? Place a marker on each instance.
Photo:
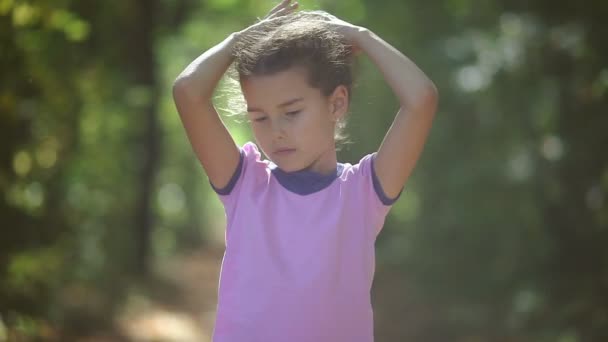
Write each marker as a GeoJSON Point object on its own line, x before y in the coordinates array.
{"type": "Point", "coordinates": [293, 113]}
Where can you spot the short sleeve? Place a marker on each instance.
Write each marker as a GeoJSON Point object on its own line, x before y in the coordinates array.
{"type": "Point", "coordinates": [387, 201]}
{"type": "Point", "coordinates": [372, 196]}
{"type": "Point", "coordinates": [250, 170]}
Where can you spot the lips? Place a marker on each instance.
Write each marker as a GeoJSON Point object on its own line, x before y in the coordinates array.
{"type": "Point", "coordinates": [283, 151]}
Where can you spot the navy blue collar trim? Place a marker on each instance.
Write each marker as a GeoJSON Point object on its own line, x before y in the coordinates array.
{"type": "Point", "coordinates": [305, 182]}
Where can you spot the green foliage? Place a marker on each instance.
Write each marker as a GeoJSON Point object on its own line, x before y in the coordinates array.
{"type": "Point", "coordinates": [499, 234]}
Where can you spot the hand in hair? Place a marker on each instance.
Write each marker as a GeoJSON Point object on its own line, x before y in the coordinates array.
{"type": "Point", "coordinates": [273, 19]}
{"type": "Point", "coordinates": [283, 8]}
{"type": "Point", "coordinates": [349, 31]}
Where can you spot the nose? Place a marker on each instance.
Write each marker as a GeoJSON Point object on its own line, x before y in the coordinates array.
{"type": "Point", "coordinates": [278, 128]}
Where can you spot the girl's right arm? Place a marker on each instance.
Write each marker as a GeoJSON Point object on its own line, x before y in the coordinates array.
{"type": "Point", "coordinates": [192, 92]}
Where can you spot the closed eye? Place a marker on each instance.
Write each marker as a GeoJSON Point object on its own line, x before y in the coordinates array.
{"type": "Point", "coordinates": [295, 112]}
{"type": "Point", "coordinates": [260, 119]}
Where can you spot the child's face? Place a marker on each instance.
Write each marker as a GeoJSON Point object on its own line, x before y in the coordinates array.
{"type": "Point", "coordinates": [293, 122]}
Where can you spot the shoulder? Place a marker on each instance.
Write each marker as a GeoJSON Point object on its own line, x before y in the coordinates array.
{"type": "Point", "coordinates": [253, 166]}
{"type": "Point", "coordinates": [359, 170]}
{"type": "Point", "coordinates": [363, 175]}
{"type": "Point", "coordinates": [251, 169]}
{"type": "Point", "coordinates": [250, 149]}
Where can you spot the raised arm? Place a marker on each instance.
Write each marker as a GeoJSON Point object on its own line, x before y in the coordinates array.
{"type": "Point", "coordinates": [192, 93]}
{"type": "Point", "coordinates": [418, 97]}
{"type": "Point", "coordinates": [417, 94]}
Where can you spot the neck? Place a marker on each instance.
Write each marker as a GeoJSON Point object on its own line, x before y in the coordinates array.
{"type": "Point", "coordinates": [326, 162]}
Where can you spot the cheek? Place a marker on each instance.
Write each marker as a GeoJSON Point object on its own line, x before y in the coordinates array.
{"type": "Point", "coordinates": [263, 131]}
{"type": "Point", "coordinates": [323, 122]}
{"type": "Point", "coordinates": [258, 131]}
{"type": "Point", "coordinates": [317, 129]}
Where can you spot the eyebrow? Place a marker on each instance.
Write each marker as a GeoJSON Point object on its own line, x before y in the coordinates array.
{"type": "Point", "coordinates": [284, 104]}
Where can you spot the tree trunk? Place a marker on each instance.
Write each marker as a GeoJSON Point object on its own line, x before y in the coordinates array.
{"type": "Point", "coordinates": [142, 63]}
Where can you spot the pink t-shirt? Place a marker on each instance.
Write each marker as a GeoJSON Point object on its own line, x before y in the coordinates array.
{"type": "Point", "coordinates": [298, 268]}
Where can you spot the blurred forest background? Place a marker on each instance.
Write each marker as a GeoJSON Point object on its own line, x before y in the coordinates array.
{"type": "Point", "coordinates": [109, 230]}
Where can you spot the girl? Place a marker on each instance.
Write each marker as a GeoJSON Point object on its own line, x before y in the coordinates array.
{"type": "Point", "coordinates": [299, 258]}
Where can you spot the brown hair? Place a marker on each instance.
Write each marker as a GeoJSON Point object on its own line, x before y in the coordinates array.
{"type": "Point", "coordinates": [300, 39]}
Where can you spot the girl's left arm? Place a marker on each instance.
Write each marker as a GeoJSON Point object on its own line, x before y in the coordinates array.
{"type": "Point", "coordinates": [418, 97]}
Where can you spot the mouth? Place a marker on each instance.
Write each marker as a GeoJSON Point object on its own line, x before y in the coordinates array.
{"type": "Point", "coordinates": [283, 151]}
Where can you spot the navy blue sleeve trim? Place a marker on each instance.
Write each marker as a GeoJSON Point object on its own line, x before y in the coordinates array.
{"type": "Point", "coordinates": [235, 177]}
{"type": "Point", "coordinates": [378, 187]}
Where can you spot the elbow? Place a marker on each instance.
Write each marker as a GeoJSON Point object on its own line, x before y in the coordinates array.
{"type": "Point", "coordinates": [187, 89]}
{"type": "Point", "coordinates": [421, 98]}
{"type": "Point", "coordinates": [431, 93]}
{"type": "Point", "coordinates": [428, 98]}
{"type": "Point", "coordinates": [183, 90]}
{"type": "Point", "coordinates": [180, 86]}
{"type": "Point", "coordinates": [431, 99]}
{"type": "Point", "coordinates": [424, 101]}
{"type": "Point", "coordinates": [180, 92]}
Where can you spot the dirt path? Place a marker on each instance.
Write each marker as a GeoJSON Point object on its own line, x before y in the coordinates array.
{"type": "Point", "coordinates": [180, 305]}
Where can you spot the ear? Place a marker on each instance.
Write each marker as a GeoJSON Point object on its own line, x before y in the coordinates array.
{"type": "Point", "coordinates": [338, 102]}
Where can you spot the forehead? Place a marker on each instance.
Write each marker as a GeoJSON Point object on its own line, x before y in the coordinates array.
{"type": "Point", "coordinates": [271, 90]}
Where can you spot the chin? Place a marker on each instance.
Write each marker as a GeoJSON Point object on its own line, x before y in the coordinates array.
{"type": "Point", "coordinates": [288, 167]}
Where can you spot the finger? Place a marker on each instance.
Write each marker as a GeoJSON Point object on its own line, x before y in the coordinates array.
{"type": "Point", "coordinates": [289, 9]}
{"type": "Point", "coordinates": [278, 7]}
{"type": "Point", "coordinates": [283, 11]}
{"type": "Point", "coordinates": [293, 6]}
